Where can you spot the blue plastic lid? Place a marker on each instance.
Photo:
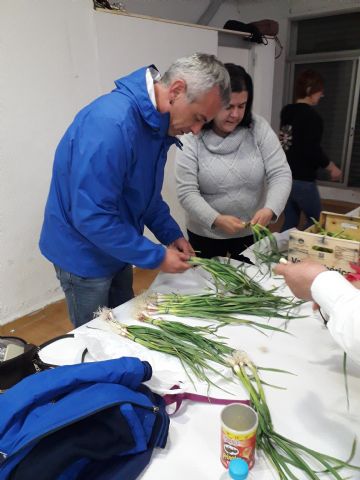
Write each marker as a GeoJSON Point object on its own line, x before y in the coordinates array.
{"type": "Point", "coordinates": [238, 469]}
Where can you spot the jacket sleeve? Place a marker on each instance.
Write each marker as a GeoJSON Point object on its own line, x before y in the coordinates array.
{"type": "Point", "coordinates": [101, 156]}
{"type": "Point", "coordinates": [161, 223]}
{"type": "Point", "coordinates": [341, 301]}
{"type": "Point", "coordinates": [187, 183]}
{"type": "Point", "coordinates": [277, 170]}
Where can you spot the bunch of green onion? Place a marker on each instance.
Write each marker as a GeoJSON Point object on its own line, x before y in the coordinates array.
{"type": "Point", "coordinates": [222, 308]}
{"type": "Point", "coordinates": [231, 278]}
{"type": "Point", "coordinates": [322, 231]}
{"type": "Point", "coordinates": [284, 453]}
{"type": "Point", "coordinates": [236, 294]}
{"type": "Point", "coordinates": [192, 345]}
{"type": "Point", "coordinates": [273, 254]}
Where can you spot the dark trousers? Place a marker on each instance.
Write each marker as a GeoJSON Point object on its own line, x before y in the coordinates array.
{"type": "Point", "coordinates": [212, 247]}
{"type": "Point", "coordinates": [304, 197]}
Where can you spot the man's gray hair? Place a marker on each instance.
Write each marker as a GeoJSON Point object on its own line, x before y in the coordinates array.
{"type": "Point", "coordinates": [201, 72]}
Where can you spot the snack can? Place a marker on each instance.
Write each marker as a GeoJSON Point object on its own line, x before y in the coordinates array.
{"type": "Point", "coordinates": [238, 433]}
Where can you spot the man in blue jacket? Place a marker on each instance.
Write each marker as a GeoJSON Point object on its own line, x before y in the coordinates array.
{"type": "Point", "coordinates": [107, 179]}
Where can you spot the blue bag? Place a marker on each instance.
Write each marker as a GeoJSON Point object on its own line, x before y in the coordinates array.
{"type": "Point", "coordinates": [88, 421]}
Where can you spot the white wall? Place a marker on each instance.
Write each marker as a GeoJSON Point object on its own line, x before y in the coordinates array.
{"type": "Point", "coordinates": [56, 56]}
{"type": "Point", "coordinates": [48, 71]}
{"type": "Point", "coordinates": [180, 10]}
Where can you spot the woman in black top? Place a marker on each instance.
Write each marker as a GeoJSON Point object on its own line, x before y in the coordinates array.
{"type": "Point", "coordinates": [301, 130]}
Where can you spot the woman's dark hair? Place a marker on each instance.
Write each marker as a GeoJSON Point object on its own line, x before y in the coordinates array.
{"type": "Point", "coordinates": [307, 83]}
{"type": "Point", "coordinates": [240, 81]}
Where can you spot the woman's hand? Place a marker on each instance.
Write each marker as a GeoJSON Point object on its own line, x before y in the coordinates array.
{"type": "Point", "coordinates": [229, 224]}
{"type": "Point", "coordinates": [334, 171]}
{"type": "Point", "coordinates": [263, 217]}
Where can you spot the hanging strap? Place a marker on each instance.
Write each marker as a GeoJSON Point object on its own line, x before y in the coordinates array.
{"type": "Point", "coordinates": [178, 398]}
{"type": "Point", "coordinates": [278, 43]}
{"type": "Point", "coordinates": [39, 364]}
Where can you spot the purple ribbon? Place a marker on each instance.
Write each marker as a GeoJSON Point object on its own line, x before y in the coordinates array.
{"type": "Point", "coordinates": [178, 398]}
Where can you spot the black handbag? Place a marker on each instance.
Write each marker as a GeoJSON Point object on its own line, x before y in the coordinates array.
{"type": "Point", "coordinates": [19, 359]}
{"type": "Point", "coordinates": [254, 33]}
{"type": "Point", "coordinates": [257, 31]}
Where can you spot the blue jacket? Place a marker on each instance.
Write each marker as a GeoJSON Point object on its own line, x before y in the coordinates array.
{"type": "Point", "coordinates": [106, 185]}
{"type": "Point", "coordinates": [41, 418]}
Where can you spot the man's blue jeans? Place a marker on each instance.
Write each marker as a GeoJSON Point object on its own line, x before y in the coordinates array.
{"type": "Point", "coordinates": [304, 197]}
{"type": "Point", "coordinates": [85, 295]}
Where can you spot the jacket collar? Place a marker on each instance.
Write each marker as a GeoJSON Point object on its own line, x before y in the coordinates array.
{"type": "Point", "coordinates": [134, 86]}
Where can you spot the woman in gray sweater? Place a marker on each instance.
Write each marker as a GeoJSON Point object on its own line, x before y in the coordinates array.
{"type": "Point", "coordinates": [232, 173]}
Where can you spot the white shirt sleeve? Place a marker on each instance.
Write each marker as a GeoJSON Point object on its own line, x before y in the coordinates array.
{"type": "Point", "coordinates": [341, 301]}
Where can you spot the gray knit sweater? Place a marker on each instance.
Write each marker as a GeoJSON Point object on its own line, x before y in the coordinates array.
{"type": "Point", "coordinates": [236, 175]}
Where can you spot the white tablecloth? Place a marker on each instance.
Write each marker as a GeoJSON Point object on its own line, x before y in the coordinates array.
{"type": "Point", "coordinates": [312, 410]}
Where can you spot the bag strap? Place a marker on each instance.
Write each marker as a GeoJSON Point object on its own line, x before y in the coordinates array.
{"type": "Point", "coordinates": [53, 340]}
{"type": "Point", "coordinates": [178, 398]}
{"type": "Point", "coordinates": [278, 43]}
{"type": "Point", "coordinates": [39, 364]}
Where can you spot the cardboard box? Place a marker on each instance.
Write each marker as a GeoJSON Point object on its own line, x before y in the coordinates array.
{"type": "Point", "coordinates": [334, 253]}
{"type": "Point", "coordinates": [354, 213]}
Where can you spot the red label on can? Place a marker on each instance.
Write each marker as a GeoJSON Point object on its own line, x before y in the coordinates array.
{"type": "Point", "coordinates": [237, 445]}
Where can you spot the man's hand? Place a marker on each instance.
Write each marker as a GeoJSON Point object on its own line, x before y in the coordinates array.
{"type": "Point", "coordinates": [175, 261]}
{"type": "Point", "coordinates": [229, 224]}
{"type": "Point", "coordinates": [182, 245]}
{"type": "Point", "coordinates": [300, 276]}
{"type": "Point", "coordinates": [263, 217]}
